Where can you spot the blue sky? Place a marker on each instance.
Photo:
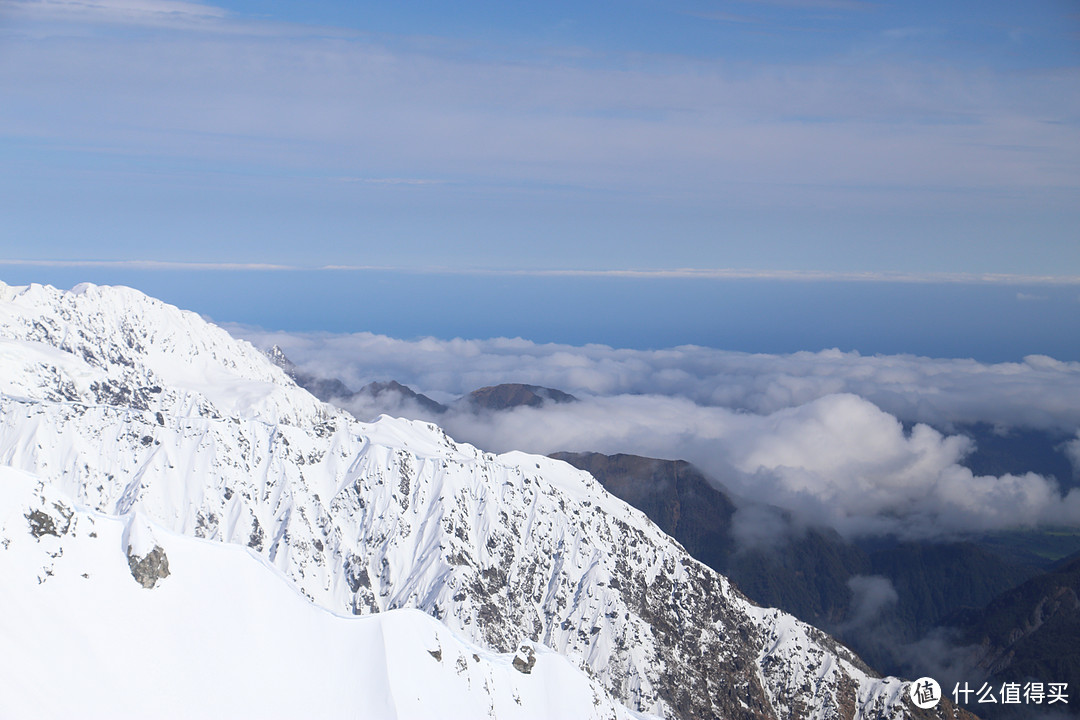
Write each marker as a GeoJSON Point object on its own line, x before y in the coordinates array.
{"type": "Point", "coordinates": [823, 138]}
{"type": "Point", "coordinates": [828, 135]}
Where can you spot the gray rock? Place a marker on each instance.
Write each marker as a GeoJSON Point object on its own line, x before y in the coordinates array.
{"type": "Point", "coordinates": [149, 569]}
{"type": "Point", "coordinates": [525, 659]}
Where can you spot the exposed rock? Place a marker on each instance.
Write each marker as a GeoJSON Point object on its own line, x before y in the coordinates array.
{"type": "Point", "coordinates": [149, 569]}
{"type": "Point", "coordinates": [525, 659]}
{"type": "Point", "coordinates": [42, 524]}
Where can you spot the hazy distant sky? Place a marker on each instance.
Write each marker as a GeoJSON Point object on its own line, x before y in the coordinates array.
{"type": "Point", "coordinates": [834, 136]}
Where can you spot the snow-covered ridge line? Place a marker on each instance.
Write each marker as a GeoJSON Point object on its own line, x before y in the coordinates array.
{"type": "Point", "coordinates": [221, 634]}
{"type": "Point", "coordinates": [126, 403]}
{"type": "Point", "coordinates": [124, 348]}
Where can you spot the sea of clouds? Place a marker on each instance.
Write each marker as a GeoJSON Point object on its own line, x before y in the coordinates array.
{"type": "Point", "coordinates": [867, 445]}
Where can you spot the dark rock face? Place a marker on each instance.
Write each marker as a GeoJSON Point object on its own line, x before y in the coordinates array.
{"type": "Point", "coordinates": [42, 523]}
{"type": "Point", "coordinates": [512, 395]}
{"type": "Point", "coordinates": [149, 569]}
{"type": "Point", "coordinates": [378, 389]}
{"type": "Point", "coordinates": [808, 575]}
{"type": "Point", "coordinates": [675, 496]}
{"type": "Point", "coordinates": [525, 659]}
{"type": "Point", "coordinates": [325, 390]}
{"type": "Point", "coordinates": [1028, 634]}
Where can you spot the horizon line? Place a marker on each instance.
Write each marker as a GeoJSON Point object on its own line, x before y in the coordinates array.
{"type": "Point", "coordinates": [985, 278]}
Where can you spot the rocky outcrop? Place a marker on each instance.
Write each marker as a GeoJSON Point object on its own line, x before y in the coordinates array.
{"type": "Point", "coordinates": [150, 568]}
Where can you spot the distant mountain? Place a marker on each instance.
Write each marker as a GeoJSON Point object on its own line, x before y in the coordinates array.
{"type": "Point", "coordinates": [935, 579]}
{"type": "Point", "coordinates": [390, 394]}
{"type": "Point", "coordinates": [326, 389]}
{"type": "Point", "coordinates": [512, 395]}
{"type": "Point", "coordinates": [932, 581]}
{"type": "Point", "coordinates": [1029, 633]}
{"type": "Point", "coordinates": [395, 392]}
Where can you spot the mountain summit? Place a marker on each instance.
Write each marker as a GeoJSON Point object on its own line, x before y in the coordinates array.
{"type": "Point", "coordinates": [512, 395]}
{"type": "Point", "coordinates": [125, 404]}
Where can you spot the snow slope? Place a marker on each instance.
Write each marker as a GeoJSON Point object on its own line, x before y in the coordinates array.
{"type": "Point", "coordinates": [225, 636]}
{"type": "Point", "coordinates": [124, 403]}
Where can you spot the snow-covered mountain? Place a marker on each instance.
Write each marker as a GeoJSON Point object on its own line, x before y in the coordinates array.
{"type": "Point", "coordinates": [125, 404]}
{"type": "Point", "coordinates": [223, 636]}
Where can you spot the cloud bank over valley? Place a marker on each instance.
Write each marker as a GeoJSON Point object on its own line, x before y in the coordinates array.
{"type": "Point", "coordinates": [867, 445]}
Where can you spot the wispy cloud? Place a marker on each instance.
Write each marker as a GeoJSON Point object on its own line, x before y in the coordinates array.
{"type": "Point", "coordinates": [391, 181]}
{"type": "Point", "coordinates": [146, 265]}
{"type": "Point", "coordinates": [672, 122]}
{"type": "Point", "coordinates": [801, 275]}
{"type": "Point", "coordinates": [644, 274]}
{"type": "Point", "coordinates": [815, 4]}
{"type": "Point", "coordinates": [723, 16]}
{"type": "Point", "coordinates": [907, 33]}
{"type": "Point", "coordinates": [137, 12]}
{"type": "Point", "coordinates": [519, 147]}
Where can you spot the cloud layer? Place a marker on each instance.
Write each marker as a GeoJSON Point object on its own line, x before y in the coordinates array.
{"type": "Point", "coordinates": [838, 460]}
{"type": "Point", "coordinates": [1039, 392]}
{"type": "Point", "coordinates": [818, 434]}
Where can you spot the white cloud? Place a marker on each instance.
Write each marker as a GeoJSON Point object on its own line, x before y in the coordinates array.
{"type": "Point", "coordinates": [816, 434]}
{"type": "Point", "coordinates": [838, 460]}
{"type": "Point", "coordinates": [870, 595]}
{"type": "Point", "coordinates": [1072, 451]}
{"type": "Point", "coordinates": [1039, 392]}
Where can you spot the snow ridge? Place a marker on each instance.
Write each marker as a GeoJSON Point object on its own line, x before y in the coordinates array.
{"type": "Point", "coordinates": [225, 636]}
{"type": "Point", "coordinates": [124, 403]}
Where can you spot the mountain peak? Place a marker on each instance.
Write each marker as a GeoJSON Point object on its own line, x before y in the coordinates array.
{"type": "Point", "coordinates": [115, 346]}
{"type": "Point", "coordinates": [512, 395]}
{"type": "Point", "coordinates": [403, 393]}
{"type": "Point", "coordinates": [277, 357]}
